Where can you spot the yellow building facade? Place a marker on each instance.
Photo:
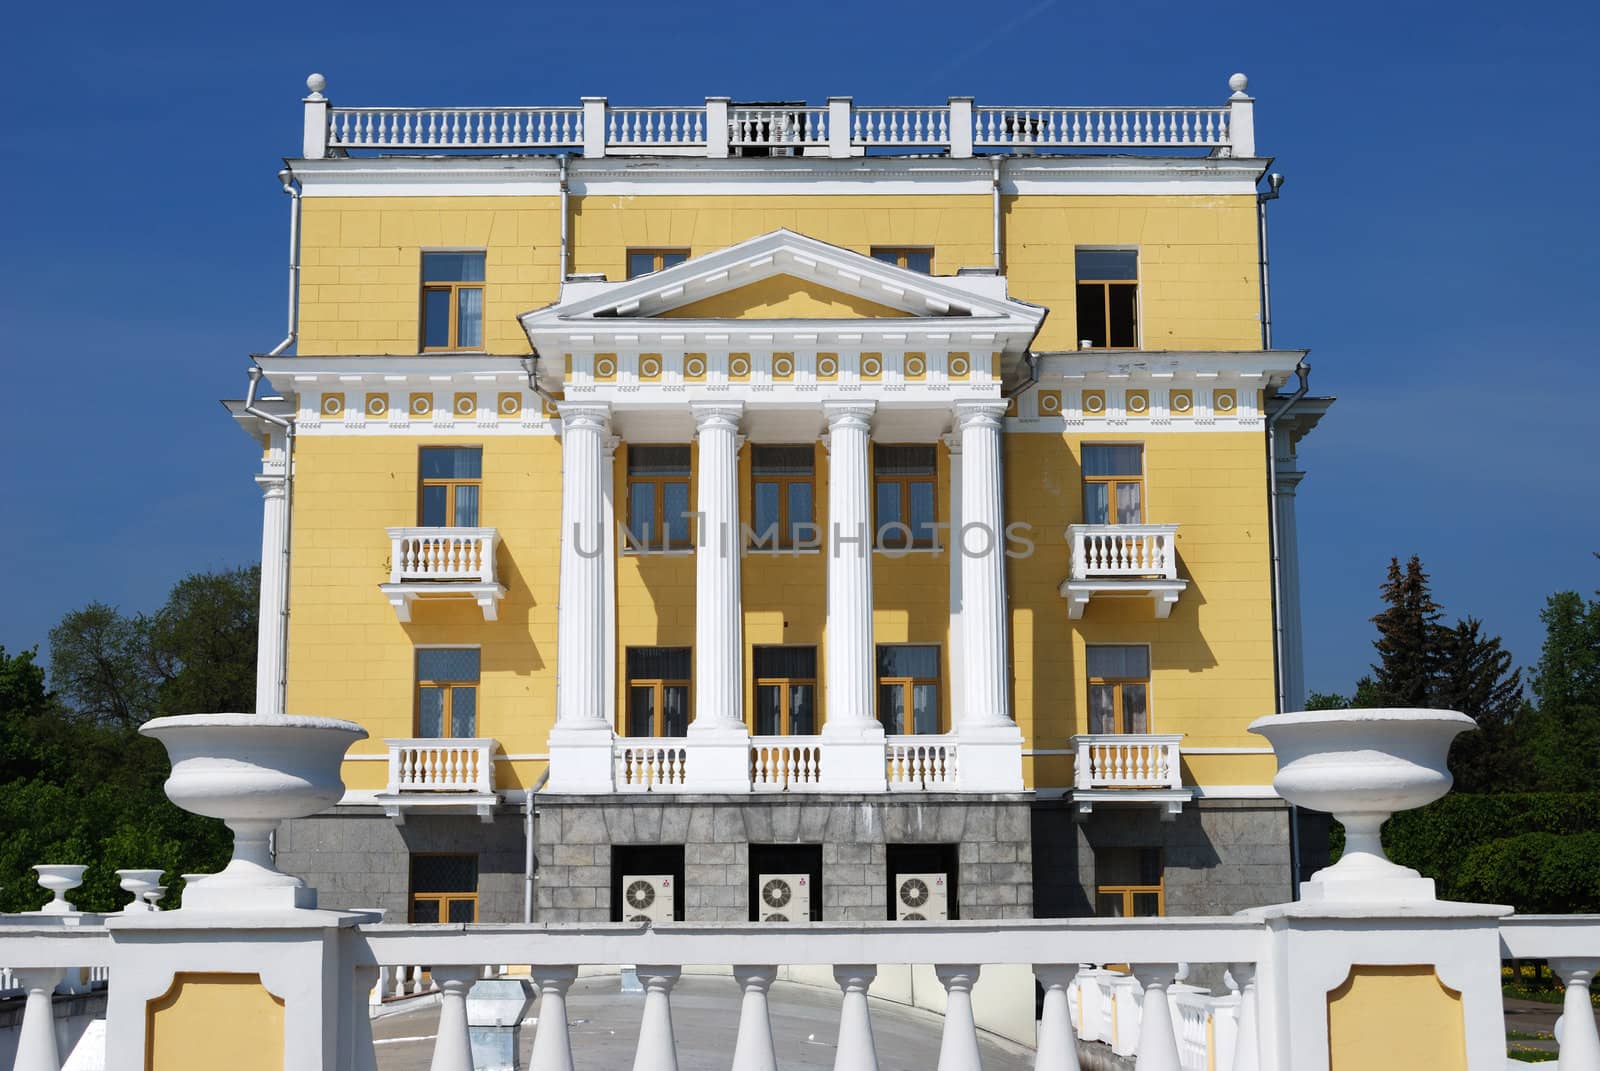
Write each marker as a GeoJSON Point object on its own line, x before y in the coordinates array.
{"type": "Point", "coordinates": [724, 494]}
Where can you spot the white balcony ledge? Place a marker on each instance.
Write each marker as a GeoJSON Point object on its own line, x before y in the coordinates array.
{"type": "Point", "coordinates": [787, 764]}
{"type": "Point", "coordinates": [427, 564]}
{"type": "Point", "coordinates": [1138, 768]}
{"type": "Point", "coordinates": [440, 775]}
{"type": "Point", "coordinates": [1123, 561]}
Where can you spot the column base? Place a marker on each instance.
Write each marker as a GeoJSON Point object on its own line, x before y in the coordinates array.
{"type": "Point", "coordinates": [853, 758]}
{"type": "Point", "coordinates": [581, 760]}
{"type": "Point", "coordinates": [718, 758]}
{"type": "Point", "coordinates": [989, 758]}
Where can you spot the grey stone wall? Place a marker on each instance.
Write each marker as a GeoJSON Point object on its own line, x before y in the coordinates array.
{"type": "Point", "coordinates": [361, 858]}
{"type": "Point", "coordinates": [576, 835]}
{"type": "Point", "coordinates": [1220, 856]}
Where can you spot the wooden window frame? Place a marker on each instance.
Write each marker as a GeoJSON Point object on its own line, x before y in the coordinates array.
{"type": "Point", "coordinates": [453, 289]}
{"type": "Point", "coordinates": [1116, 684]}
{"type": "Point", "coordinates": [657, 541]}
{"type": "Point", "coordinates": [658, 688]}
{"type": "Point", "coordinates": [904, 482]}
{"type": "Point", "coordinates": [1112, 484]}
{"type": "Point", "coordinates": [907, 686]}
{"type": "Point", "coordinates": [448, 687]}
{"type": "Point", "coordinates": [1105, 295]}
{"type": "Point", "coordinates": [784, 482]}
{"type": "Point", "coordinates": [657, 256]}
{"type": "Point", "coordinates": [901, 253]}
{"type": "Point", "coordinates": [450, 483]}
{"type": "Point", "coordinates": [783, 684]}
{"type": "Point", "coordinates": [443, 900]}
{"type": "Point", "coordinates": [1129, 890]}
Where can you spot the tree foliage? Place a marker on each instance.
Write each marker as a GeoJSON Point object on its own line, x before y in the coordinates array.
{"type": "Point", "coordinates": [78, 784]}
{"type": "Point", "coordinates": [1566, 727]}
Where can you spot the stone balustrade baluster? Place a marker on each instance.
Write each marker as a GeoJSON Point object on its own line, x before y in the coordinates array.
{"type": "Point", "coordinates": [658, 1049]}
{"type": "Point", "coordinates": [958, 1044]}
{"type": "Point", "coordinates": [1247, 1050]}
{"type": "Point", "coordinates": [552, 1041]}
{"type": "Point", "coordinates": [366, 982]}
{"type": "Point", "coordinates": [36, 1041]}
{"type": "Point", "coordinates": [1158, 1043]}
{"type": "Point", "coordinates": [452, 1049]}
{"type": "Point", "coordinates": [1580, 1044]}
{"type": "Point", "coordinates": [754, 1050]}
{"type": "Point", "coordinates": [856, 1051]}
{"type": "Point", "coordinates": [1057, 1042]}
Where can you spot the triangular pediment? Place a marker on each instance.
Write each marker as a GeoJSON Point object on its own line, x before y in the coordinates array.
{"type": "Point", "coordinates": [786, 277]}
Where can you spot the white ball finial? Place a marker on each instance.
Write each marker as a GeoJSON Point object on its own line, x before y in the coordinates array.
{"type": "Point", "coordinates": [316, 83]}
{"type": "Point", "coordinates": [1238, 83]}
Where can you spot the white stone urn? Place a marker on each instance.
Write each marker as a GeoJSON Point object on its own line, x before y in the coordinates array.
{"type": "Point", "coordinates": [60, 879]}
{"type": "Point", "coordinates": [1361, 766]}
{"type": "Point", "coordinates": [139, 883]}
{"type": "Point", "coordinates": [253, 771]}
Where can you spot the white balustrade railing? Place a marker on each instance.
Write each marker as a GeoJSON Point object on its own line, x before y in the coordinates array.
{"type": "Point", "coordinates": [448, 128]}
{"type": "Point", "coordinates": [640, 765]}
{"type": "Point", "coordinates": [776, 127]}
{"type": "Point", "coordinates": [840, 127]}
{"type": "Point", "coordinates": [920, 763]}
{"type": "Point", "coordinates": [1128, 760]}
{"type": "Point", "coordinates": [999, 127]}
{"type": "Point", "coordinates": [464, 764]}
{"type": "Point", "coordinates": [647, 127]}
{"type": "Point", "coordinates": [779, 763]}
{"type": "Point", "coordinates": [900, 127]}
{"type": "Point", "coordinates": [1102, 551]}
{"type": "Point", "coordinates": [424, 554]}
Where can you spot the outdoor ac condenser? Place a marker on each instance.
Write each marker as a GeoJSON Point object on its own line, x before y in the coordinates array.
{"type": "Point", "coordinates": [783, 897]}
{"type": "Point", "coordinates": [921, 897]}
{"type": "Point", "coordinates": [647, 897]}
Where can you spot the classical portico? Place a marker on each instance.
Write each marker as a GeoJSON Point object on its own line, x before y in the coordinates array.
{"type": "Point", "coordinates": [785, 339]}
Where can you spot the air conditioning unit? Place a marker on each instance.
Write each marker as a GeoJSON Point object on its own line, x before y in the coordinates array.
{"type": "Point", "coordinates": [921, 897]}
{"type": "Point", "coordinates": [647, 898]}
{"type": "Point", "coordinates": [784, 897]}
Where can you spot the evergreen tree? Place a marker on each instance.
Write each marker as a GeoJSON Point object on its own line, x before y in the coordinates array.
{"type": "Point", "coordinates": [1408, 640]}
{"type": "Point", "coordinates": [1475, 676]}
{"type": "Point", "coordinates": [1566, 729]}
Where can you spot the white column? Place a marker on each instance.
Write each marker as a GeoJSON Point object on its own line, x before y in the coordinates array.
{"type": "Point", "coordinates": [1158, 1043]}
{"type": "Point", "coordinates": [754, 1050]}
{"type": "Point", "coordinates": [958, 676]}
{"type": "Point", "coordinates": [988, 742]}
{"type": "Point", "coordinates": [857, 1051]}
{"type": "Point", "coordinates": [272, 625]}
{"type": "Point", "coordinates": [36, 1042]}
{"type": "Point", "coordinates": [958, 1045]}
{"type": "Point", "coordinates": [658, 1050]}
{"type": "Point", "coordinates": [852, 736]}
{"type": "Point", "coordinates": [1247, 1048]}
{"type": "Point", "coordinates": [608, 520]}
{"type": "Point", "coordinates": [720, 742]}
{"type": "Point", "coordinates": [580, 742]}
{"type": "Point", "coordinates": [1289, 477]}
{"type": "Point", "coordinates": [1580, 1045]}
{"type": "Point", "coordinates": [552, 1041]}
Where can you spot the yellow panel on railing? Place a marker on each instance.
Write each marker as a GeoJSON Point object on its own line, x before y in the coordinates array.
{"type": "Point", "coordinates": [1395, 1017]}
{"type": "Point", "coordinates": [215, 1020]}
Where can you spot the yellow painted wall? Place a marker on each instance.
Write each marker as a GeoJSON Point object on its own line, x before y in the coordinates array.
{"type": "Point", "coordinates": [361, 275]}
{"type": "Point", "coordinates": [783, 296]}
{"type": "Point", "coordinates": [350, 657]}
{"type": "Point", "coordinates": [1395, 1019]}
{"type": "Point", "coordinates": [208, 1021]}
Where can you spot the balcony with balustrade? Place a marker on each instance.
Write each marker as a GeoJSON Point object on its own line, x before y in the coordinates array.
{"type": "Point", "coordinates": [1124, 768]}
{"type": "Point", "coordinates": [1123, 561]}
{"type": "Point", "coordinates": [433, 564]}
{"type": "Point", "coordinates": [783, 764]}
{"type": "Point", "coordinates": [440, 776]}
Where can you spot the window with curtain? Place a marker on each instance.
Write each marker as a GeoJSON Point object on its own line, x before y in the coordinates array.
{"type": "Point", "coordinates": [912, 259]}
{"type": "Point", "coordinates": [658, 497]}
{"type": "Point", "coordinates": [444, 888]}
{"type": "Point", "coordinates": [447, 692]}
{"type": "Point", "coordinates": [451, 488]}
{"type": "Point", "coordinates": [786, 691]}
{"type": "Point", "coordinates": [452, 301]}
{"type": "Point", "coordinates": [645, 261]}
{"type": "Point", "coordinates": [783, 494]}
{"type": "Point", "coordinates": [1108, 298]}
{"type": "Point", "coordinates": [908, 688]}
{"type": "Point", "coordinates": [1113, 483]}
{"type": "Point", "coordinates": [658, 691]}
{"type": "Point", "coordinates": [1119, 688]}
{"type": "Point", "coordinates": [905, 483]}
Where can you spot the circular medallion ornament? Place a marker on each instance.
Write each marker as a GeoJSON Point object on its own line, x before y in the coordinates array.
{"type": "Point", "coordinates": [510, 404]}
{"type": "Point", "coordinates": [377, 405]}
{"type": "Point", "coordinates": [1138, 402]}
{"type": "Point", "coordinates": [827, 366]}
{"type": "Point", "coordinates": [466, 405]}
{"type": "Point", "coordinates": [1225, 401]}
{"type": "Point", "coordinates": [650, 367]}
{"type": "Point", "coordinates": [421, 405]}
{"type": "Point", "coordinates": [739, 366]}
{"type": "Point", "coordinates": [605, 367]}
{"type": "Point", "coordinates": [958, 366]}
{"type": "Point", "coordinates": [783, 367]}
{"type": "Point", "coordinates": [1049, 402]}
{"type": "Point", "coordinates": [694, 367]}
{"type": "Point", "coordinates": [333, 405]}
{"type": "Point", "coordinates": [1182, 402]}
{"type": "Point", "coordinates": [871, 366]}
{"type": "Point", "coordinates": [915, 366]}
{"type": "Point", "coordinates": [1094, 402]}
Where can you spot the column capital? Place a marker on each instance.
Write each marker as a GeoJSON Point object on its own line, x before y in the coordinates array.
{"type": "Point", "coordinates": [584, 416]}
{"type": "Point", "coordinates": [609, 445]}
{"type": "Point", "coordinates": [981, 414]}
{"type": "Point", "coordinates": [952, 441]}
{"type": "Point", "coordinates": [272, 484]}
{"type": "Point", "coordinates": [849, 414]}
{"type": "Point", "coordinates": [717, 414]}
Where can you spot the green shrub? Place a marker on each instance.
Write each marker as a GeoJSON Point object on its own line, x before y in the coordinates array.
{"type": "Point", "coordinates": [1537, 873]}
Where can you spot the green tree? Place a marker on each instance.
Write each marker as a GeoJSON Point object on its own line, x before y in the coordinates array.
{"type": "Point", "coordinates": [1475, 676]}
{"type": "Point", "coordinates": [1566, 728]}
{"type": "Point", "coordinates": [100, 666]}
{"type": "Point", "coordinates": [202, 644]}
{"type": "Point", "coordinates": [1408, 638]}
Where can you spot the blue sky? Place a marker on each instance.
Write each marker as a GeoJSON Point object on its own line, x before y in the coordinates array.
{"type": "Point", "coordinates": [1435, 247]}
